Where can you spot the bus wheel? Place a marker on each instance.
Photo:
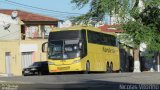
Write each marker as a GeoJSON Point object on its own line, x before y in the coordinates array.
{"type": "Point", "coordinates": [107, 67]}
{"type": "Point", "coordinates": [87, 68]}
{"type": "Point", "coordinates": [111, 68]}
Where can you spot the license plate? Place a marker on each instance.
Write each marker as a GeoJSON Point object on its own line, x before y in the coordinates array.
{"type": "Point", "coordinates": [63, 68]}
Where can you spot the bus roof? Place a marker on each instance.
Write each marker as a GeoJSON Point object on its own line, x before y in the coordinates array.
{"type": "Point", "coordinates": [80, 28]}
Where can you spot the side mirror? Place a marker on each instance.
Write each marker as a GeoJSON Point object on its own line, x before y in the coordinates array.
{"type": "Point", "coordinates": [45, 47]}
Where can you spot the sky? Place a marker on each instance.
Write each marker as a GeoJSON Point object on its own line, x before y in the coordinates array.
{"type": "Point", "coordinates": [60, 9]}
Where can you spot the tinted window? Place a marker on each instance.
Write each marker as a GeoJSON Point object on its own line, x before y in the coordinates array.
{"type": "Point", "coordinates": [44, 63]}
{"type": "Point", "coordinates": [101, 38]}
{"type": "Point", "coordinates": [65, 35]}
{"type": "Point", "coordinates": [36, 64]}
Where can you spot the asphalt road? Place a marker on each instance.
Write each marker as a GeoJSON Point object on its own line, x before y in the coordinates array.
{"type": "Point", "coordinates": [101, 81]}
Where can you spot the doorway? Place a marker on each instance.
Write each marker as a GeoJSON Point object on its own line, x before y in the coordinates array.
{"type": "Point", "coordinates": [8, 62]}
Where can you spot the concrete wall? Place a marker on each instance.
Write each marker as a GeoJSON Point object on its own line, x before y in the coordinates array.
{"type": "Point", "coordinates": [126, 58]}
{"type": "Point", "coordinates": [14, 47]}
{"type": "Point", "coordinates": [10, 41]}
{"type": "Point", "coordinates": [36, 47]}
{"type": "Point", "coordinates": [9, 28]}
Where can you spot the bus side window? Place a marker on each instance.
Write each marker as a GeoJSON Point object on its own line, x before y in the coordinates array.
{"type": "Point", "coordinates": [113, 40]}
{"type": "Point", "coordinates": [101, 38]}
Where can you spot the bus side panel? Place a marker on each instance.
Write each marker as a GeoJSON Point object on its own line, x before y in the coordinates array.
{"type": "Point", "coordinates": [95, 56]}
{"type": "Point", "coordinates": [98, 58]}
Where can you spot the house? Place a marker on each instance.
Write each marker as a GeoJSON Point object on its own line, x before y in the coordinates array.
{"type": "Point", "coordinates": [110, 28]}
{"type": "Point", "coordinates": [6, 23]}
{"type": "Point", "coordinates": [21, 36]}
{"type": "Point", "coordinates": [35, 25]}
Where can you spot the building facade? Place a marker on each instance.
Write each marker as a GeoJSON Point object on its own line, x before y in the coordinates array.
{"type": "Point", "coordinates": [21, 42]}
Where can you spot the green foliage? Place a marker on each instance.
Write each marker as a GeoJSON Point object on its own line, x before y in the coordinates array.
{"type": "Point", "coordinates": [81, 19]}
{"type": "Point", "coordinates": [138, 32]}
{"type": "Point", "coordinates": [146, 28]}
{"type": "Point", "coordinates": [151, 15]}
{"type": "Point", "coordinates": [80, 3]}
{"type": "Point", "coordinates": [154, 44]}
{"type": "Point", "coordinates": [99, 8]}
{"type": "Point", "coordinates": [154, 3]}
{"type": "Point", "coordinates": [141, 25]}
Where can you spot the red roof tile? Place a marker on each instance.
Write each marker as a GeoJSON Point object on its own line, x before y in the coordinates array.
{"type": "Point", "coordinates": [28, 16]}
{"type": "Point", "coordinates": [110, 28]}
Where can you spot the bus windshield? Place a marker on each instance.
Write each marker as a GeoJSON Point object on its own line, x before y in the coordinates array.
{"type": "Point", "coordinates": [63, 49]}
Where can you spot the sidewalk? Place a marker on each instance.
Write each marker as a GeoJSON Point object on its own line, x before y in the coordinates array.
{"type": "Point", "coordinates": [5, 75]}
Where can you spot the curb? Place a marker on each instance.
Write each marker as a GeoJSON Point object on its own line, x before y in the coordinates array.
{"type": "Point", "coordinates": [5, 75]}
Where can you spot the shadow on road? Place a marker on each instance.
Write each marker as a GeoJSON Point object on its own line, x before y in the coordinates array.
{"type": "Point", "coordinates": [91, 85]}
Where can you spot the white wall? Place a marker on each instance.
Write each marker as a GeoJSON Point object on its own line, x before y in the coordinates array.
{"type": "Point", "coordinates": [28, 47]}
{"type": "Point", "coordinates": [13, 30]}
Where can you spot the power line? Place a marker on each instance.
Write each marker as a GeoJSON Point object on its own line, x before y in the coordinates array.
{"type": "Point", "coordinates": [40, 8]}
{"type": "Point", "coordinates": [60, 16]}
{"type": "Point", "coordinates": [52, 14]}
{"type": "Point", "coordinates": [48, 13]}
{"type": "Point", "coordinates": [31, 8]}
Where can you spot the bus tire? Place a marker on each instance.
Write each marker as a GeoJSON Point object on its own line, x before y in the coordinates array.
{"type": "Point", "coordinates": [87, 68]}
{"type": "Point", "coordinates": [111, 68]}
{"type": "Point", "coordinates": [107, 67]}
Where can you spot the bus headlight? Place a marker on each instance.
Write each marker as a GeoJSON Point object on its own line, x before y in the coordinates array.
{"type": "Point", "coordinates": [76, 61]}
{"type": "Point", "coordinates": [51, 63]}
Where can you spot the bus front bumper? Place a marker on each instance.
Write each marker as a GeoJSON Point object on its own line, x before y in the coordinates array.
{"type": "Point", "coordinates": [65, 68]}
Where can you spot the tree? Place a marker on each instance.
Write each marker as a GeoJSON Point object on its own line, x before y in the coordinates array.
{"type": "Point", "coordinates": [135, 17]}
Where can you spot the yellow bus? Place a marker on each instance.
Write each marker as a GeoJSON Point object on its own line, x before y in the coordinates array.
{"type": "Point", "coordinates": [82, 48]}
